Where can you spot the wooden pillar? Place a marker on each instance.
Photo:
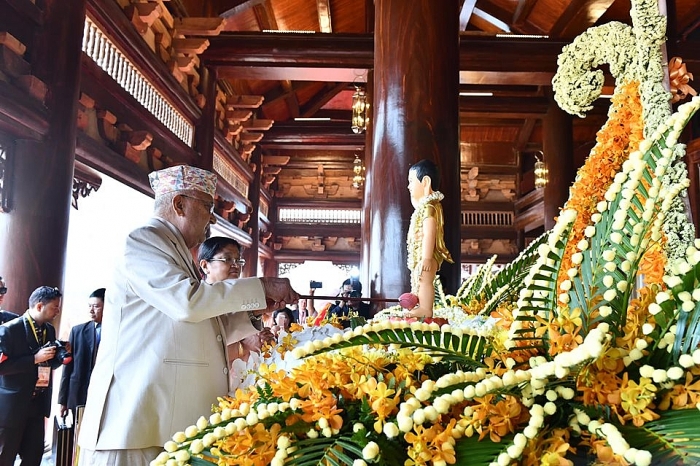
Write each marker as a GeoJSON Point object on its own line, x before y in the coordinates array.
{"type": "Point", "coordinates": [416, 116]}
{"type": "Point", "coordinates": [558, 149]}
{"type": "Point", "coordinates": [207, 122]}
{"type": "Point", "coordinates": [365, 222]}
{"type": "Point", "coordinates": [253, 251]}
{"type": "Point", "coordinates": [692, 161]}
{"type": "Point", "coordinates": [34, 234]}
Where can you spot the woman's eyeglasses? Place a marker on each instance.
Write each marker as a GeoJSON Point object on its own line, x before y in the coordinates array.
{"type": "Point", "coordinates": [3, 290]}
{"type": "Point", "coordinates": [230, 261]}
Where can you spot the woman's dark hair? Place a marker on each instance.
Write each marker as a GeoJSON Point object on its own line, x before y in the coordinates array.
{"type": "Point", "coordinates": [427, 168]}
{"type": "Point", "coordinates": [290, 316]}
{"type": "Point", "coordinates": [44, 295]}
{"type": "Point", "coordinates": [214, 245]}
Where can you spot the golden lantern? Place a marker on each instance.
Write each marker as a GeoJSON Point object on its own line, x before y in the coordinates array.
{"type": "Point", "coordinates": [359, 179]}
{"type": "Point", "coordinates": [360, 110]}
{"type": "Point", "coordinates": [541, 173]}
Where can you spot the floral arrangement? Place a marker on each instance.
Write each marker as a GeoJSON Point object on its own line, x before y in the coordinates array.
{"type": "Point", "coordinates": [584, 349]}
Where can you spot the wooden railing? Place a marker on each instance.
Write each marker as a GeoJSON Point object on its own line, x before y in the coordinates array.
{"type": "Point", "coordinates": [102, 51]}
{"type": "Point", "coordinates": [224, 169]}
{"type": "Point", "coordinates": [477, 218]}
{"type": "Point", "coordinates": [325, 216]}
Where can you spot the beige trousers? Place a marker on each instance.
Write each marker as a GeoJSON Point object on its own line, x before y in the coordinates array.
{"type": "Point", "coordinates": [141, 457]}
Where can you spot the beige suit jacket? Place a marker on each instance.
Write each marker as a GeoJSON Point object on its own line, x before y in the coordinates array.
{"type": "Point", "coordinates": [162, 360]}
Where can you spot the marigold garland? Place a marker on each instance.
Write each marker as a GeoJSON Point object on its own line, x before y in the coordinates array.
{"type": "Point", "coordinates": [621, 135]}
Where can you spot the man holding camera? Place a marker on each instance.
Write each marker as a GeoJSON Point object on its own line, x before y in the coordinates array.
{"type": "Point", "coordinates": [25, 378]}
{"type": "Point", "coordinates": [350, 302]}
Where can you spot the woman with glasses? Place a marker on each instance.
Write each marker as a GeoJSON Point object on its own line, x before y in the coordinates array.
{"type": "Point", "coordinates": [5, 316]}
{"type": "Point", "coordinates": [220, 259]}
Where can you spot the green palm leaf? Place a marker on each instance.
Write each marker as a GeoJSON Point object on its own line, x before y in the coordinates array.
{"type": "Point", "coordinates": [506, 284]}
{"type": "Point", "coordinates": [543, 289]}
{"type": "Point", "coordinates": [335, 451]}
{"type": "Point", "coordinates": [472, 287]}
{"type": "Point", "coordinates": [672, 440]}
{"type": "Point", "coordinates": [470, 451]}
{"type": "Point", "coordinates": [464, 349]}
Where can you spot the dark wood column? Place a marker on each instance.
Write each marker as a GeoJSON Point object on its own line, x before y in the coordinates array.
{"type": "Point", "coordinates": [558, 148]}
{"type": "Point", "coordinates": [416, 116]}
{"type": "Point", "coordinates": [251, 254]}
{"type": "Point", "coordinates": [366, 223]}
{"type": "Point", "coordinates": [692, 160]}
{"type": "Point", "coordinates": [207, 123]}
{"type": "Point", "coordinates": [35, 233]}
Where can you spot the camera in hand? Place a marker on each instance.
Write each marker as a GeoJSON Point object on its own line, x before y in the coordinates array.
{"type": "Point", "coordinates": [62, 355]}
{"type": "Point", "coordinates": [313, 284]}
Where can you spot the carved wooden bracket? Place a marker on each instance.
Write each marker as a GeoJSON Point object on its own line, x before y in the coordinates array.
{"type": "Point", "coordinates": [198, 26]}
{"type": "Point", "coordinates": [106, 122]}
{"type": "Point", "coordinates": [143, 15]}
{"type": "Point", "coordinates": [267, 180]}
{"type": "Point", "coordinates": [244, 101]}
{"type": "Point", "coordinates": [224, 207]}
{"type": "Point", "coordinates": [265, 237]}
{"type": "Point", "coordinates": [133, 143]}
{"type": "Point", "coordinates": [239, 218]}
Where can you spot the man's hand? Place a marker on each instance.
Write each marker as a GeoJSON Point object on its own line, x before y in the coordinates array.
{"type": "Point", "coordinates": [278, 292]}
{"type": "Point", "coordinates": [64, 410]}
{"type": "Point", "coordinates": [266, 336]}
{"type": "Point", "coordinates": [44, 354]}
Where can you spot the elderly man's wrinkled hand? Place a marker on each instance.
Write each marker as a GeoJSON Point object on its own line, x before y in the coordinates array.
{"type": "Point", "coordinates": [278, 292]}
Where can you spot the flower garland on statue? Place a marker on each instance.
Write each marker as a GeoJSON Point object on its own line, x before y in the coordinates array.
{"type": "Point", "coordinates": [414, 246]}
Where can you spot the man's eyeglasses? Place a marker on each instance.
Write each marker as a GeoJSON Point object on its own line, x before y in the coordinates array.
{"type": "Point", "coordinates": [231, 262]}
{"type": "Point", "coordinates": [3, 289]}
{"type": "Point", "coordinates": [208, 205]}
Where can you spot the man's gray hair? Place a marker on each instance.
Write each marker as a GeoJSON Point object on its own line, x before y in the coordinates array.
{"type": "Point", "coordinates": [163, 203]}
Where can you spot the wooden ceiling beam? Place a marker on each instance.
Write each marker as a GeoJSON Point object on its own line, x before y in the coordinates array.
{"type": "Point", "coordinates": [500, 13]}
{"type": "Point", "coordinates": [283, 92]}
{"type": "Point", "coordinates": [265, 16]}
{"type": "Point", "coordinates": [578, 16]}
{"type": "Point", "coordinates": [522, 12]}
{"type": "Point", "coordinates": [343, 51]}
{"type": "Point", "coordinates": [305, 136]}
{"type": "Point", "coordinates": [322, 98]}
{"type": "Point", "coordinates": [501, 107]}
{"type": "Point", "coordinates": [524, 134]}
{"type": "Point", "coordinates": [489, 23]}
{"type": "Point", "coordinates": [324, 16]}
{"type": "Point", "coordinates": [466, 13]}
{"type": "Point", "coordinates": [238, 6]}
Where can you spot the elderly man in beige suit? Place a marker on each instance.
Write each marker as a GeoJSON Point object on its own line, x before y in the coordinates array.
{"type": "Point", "coordinates": [162, 361]}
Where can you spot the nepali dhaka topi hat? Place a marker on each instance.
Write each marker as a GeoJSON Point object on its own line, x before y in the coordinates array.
{"type": "Point", "coordinates": [182, 177]}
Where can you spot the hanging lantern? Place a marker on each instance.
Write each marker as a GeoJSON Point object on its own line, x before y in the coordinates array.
{"type": "Point", "coordinates": [360, 110]}
{"type": "Point", "coordinates": [359, 179]}
{"type": "Point", "coordinates": [541, 173]}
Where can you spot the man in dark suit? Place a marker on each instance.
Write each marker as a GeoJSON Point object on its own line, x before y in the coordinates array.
{"type": "Point", "coordinates": [5, 316]}
{"type": "Point", "coordinates": [84, 341]}
{"type": "Point", "coordinates": [25, 378]}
